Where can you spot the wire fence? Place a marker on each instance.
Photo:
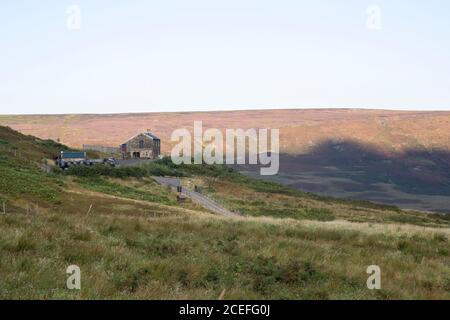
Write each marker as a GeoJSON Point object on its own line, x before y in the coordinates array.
{"type": "Point", "coordinates": [7, 208]}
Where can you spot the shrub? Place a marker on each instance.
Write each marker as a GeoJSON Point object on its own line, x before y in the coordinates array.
{"type": "Point", "coordinates": [104, 170]}
{"type": "Point", "coordinates": [151, 169]}
{"type": "Point", "coordinates": [320, 214]}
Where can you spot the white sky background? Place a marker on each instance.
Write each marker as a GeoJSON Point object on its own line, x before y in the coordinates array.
{"type": "Point", "coordinates": [148, 56]}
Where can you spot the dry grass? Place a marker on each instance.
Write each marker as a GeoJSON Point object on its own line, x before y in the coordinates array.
{"type": "Point", "coordinates": [136, 249]}
{"type": "Point", "coordinates": [246, 200]}
{"type": "Point", "coordinates": [132, 241]}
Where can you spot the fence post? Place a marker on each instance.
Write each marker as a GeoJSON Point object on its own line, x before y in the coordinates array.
{"type": "Point", "coordinates": [89, 211]}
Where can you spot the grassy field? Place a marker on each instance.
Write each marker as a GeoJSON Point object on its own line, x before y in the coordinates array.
{"type": "Point", "coordinates": [132, 240]}
{"type": "Point", "coordinates": [129, 249]}
{"type": "Point", "coordinates": [248, 196]}
{"type": "Point", "coordinates": [253, 201]}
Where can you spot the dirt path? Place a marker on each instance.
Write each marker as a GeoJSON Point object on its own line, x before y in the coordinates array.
{"type": "Point", "coordinates": [197, 197]}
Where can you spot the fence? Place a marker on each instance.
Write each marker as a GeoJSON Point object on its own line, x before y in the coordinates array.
{"type": "Point", "coordinates": [7, 208]}
{"type": "Point", "coordinates": [100, 148]}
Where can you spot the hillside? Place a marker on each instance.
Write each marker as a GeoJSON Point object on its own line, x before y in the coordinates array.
{"type": "Point", "coordinates": [132, 239]}
{"type": "Point", "coordinates": [399, 158]}
{"type": "Point", "coordinates": [300, 129]}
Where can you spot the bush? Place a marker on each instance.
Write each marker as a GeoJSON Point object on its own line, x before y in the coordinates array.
{"type": "Point", "coordinates": [320, 214]}
{"type": "Point", "coordinates": [152, 169]}
{"type": "Point", "coordinates": [104, 170]}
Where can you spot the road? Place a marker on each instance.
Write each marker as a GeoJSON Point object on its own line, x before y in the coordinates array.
{"type": "Point", "coordinates": [197, 197]}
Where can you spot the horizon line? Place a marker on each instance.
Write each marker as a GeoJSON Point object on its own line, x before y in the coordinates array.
{"type": "Point", "coordinates": [235, 110]}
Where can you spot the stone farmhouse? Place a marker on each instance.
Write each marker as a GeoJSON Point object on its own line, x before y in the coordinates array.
{"type": "Point", "coordinates": [144, 145]}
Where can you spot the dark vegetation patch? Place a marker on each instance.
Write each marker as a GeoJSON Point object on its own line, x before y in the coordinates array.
{"type": "Point", "coordinates": [151, 169]}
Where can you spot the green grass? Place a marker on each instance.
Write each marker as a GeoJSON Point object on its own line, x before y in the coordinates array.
{"type": "Point", "coordinates": [147, 170]}
{"type": "Point", "coordinates": [174, 257]}
{"type": "Point", "coordinates": [108, 187]}
{"type": "Point", "coordinates": [257, 197]}
{"type": "Point", "coordinates": [250, 201]}
{"type": "Point", "coordinates": [227, 173]}
{"type": "Point", "coordinates": [27, 183]}
{"type": "Point", "coordinates": [157, 249]}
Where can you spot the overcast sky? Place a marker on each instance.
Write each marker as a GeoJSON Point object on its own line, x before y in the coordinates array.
{"type": "Point", "coordinates": [147, 56]}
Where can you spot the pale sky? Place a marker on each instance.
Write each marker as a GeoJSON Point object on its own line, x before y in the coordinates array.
{"type": "Point", "coordinates": [149, 56]}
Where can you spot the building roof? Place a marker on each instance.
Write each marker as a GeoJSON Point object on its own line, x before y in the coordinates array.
{"type": "Point", "coordinates": [147, 134]}
{"type": "Point", "coordinates": [73, 155]}
{"type": "Point", "coordinates": [151, 135]}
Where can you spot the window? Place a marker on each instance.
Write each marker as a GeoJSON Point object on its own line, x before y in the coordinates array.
{"type": "Point", "coordinates": [141, 144]}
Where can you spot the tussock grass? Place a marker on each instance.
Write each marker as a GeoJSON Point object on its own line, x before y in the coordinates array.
{"type": "Point", "coordinates": [129, 253]}
{"type": "Point", "coordinates": [132, 240]}
{"type": "Point", "coordinates": [246, 200]}
{"type": "Point", "coordinates": [113, 188]}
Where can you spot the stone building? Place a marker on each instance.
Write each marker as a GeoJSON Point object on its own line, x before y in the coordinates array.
{"type": "Point", "coordinates": [144, 145]}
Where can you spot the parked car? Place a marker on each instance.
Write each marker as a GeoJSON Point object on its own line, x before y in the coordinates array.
{"type": "Point", "coordinates": [69, 159]}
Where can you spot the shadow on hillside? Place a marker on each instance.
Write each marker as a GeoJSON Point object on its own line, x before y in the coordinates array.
{"type": "Point", "coordinates": [414, 171]}
{"type": "Point", "coordinates": [353, 170]}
